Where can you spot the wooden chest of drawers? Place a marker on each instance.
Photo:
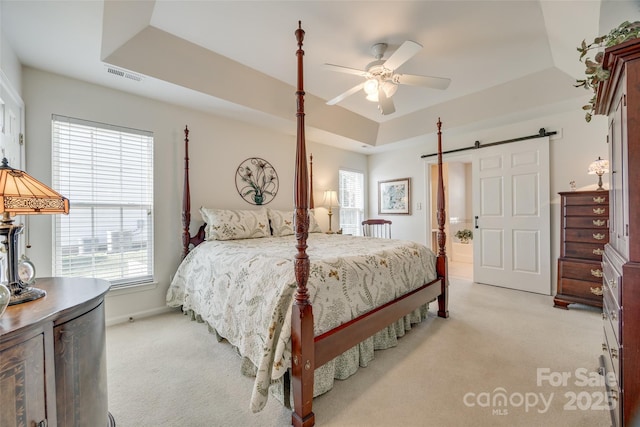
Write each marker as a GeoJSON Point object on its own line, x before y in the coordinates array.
{"type": "Point", "coordinates": [619, 99]}
{"type": "Point", "coordinates": [583, 234]}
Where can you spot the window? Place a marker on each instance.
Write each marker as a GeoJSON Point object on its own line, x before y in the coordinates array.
{"type": "Point", "coordinates": [107, 174]}
{"type": "Point", "coordinates": [351, 201]}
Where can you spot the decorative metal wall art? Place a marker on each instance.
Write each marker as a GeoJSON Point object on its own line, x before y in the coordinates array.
{"type": "Point", "coordinates": [256, 181]}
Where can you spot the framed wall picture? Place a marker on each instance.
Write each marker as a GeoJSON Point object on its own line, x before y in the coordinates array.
{"type": "Point", "coordinates": [394, 196]}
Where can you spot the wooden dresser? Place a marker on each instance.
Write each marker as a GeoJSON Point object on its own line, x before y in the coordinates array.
{"type": "Point", "coordinates": [583, 233]}
{"type": "Point", "coordinates": [53, 368]}
{"type": "Point", "coordinates": [619, 99]}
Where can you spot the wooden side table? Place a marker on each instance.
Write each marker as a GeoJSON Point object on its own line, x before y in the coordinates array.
{"type": "Point", "coordinates": [53, 357]}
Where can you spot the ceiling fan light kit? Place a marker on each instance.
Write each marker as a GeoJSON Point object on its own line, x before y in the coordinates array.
{"type": "Point", "coordinates": [373, 86]}
{"type": "Point", "coordinates": [381, 81]}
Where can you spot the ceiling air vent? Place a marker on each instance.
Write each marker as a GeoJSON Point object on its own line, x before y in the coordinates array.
{"type": "Point", "coordinates": [123, 73]}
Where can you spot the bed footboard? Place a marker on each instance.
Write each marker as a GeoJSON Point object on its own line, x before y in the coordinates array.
{"type": "Point", "coordinates": [337, 341]}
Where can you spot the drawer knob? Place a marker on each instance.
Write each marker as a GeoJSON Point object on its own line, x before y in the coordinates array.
{"type": "Point", "coordinates": [597, 291]}
{"type": "Point", "coordinates": [599, 236]}
{"type": "Point", "coordinates": [599, 211]}
{"type": "Point", "coordinates": [596, 273]}
{"type": "Point", "coordinates": [599, 222]}
{"type": "Point", "coordinates": [599, 199]}
{"type": "Point", "coordinates": [614, 353]}
{"type": "Point", "coordinates": [598, 251]}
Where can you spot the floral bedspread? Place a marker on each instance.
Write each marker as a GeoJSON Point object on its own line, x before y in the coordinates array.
{"type": "Point", "coordinates": [244, 289]}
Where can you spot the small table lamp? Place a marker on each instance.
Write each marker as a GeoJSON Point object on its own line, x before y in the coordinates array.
{"type": "Point", "coordinates": [330, 201]}
{"type": "Point", "coordinates": [599, 167]}
{"type": "Point", "coordinates": [21, 194]}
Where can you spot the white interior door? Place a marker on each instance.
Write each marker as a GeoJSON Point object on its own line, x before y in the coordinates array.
{"type": "Point", "coordinates": [512, 223]}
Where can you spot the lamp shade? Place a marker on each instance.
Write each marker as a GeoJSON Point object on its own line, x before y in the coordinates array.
{"type": "Point", "coordinates": [330, 199]}
{"type": "Point", "coordinates": [22, 194]}
{"type": "Point", "coordinates": [599, 167]}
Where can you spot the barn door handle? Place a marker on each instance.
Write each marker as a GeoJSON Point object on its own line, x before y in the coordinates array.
{"type": "Point", "coordinates": [476, 223]}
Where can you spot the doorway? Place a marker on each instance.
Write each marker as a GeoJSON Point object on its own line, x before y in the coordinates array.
{"type": "Point", "coordinates": [457, 174]}
{"type": "Point", "coordinates": [509, 223]}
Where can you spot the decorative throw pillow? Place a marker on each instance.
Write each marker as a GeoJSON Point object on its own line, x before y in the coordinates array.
{"type": "Point", "coordinates": [314, 227]}
{"type": "Point", "coordinates": [282, 222]}
{"type": "Point", "coordinates": [229, 224]}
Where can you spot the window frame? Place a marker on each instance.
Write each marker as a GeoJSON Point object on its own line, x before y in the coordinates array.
{"type": "Point", "coordinates": [353, 227]}
{"type": "Point", "coordinates": [122, 202]}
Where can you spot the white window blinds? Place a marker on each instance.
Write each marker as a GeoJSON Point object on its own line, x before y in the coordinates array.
{"type": "Point", "coordinates": [351, 201]}
{"type": "Point", "coordinates": [107, 173]}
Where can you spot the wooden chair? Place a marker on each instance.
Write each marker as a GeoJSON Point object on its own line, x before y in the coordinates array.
{"type": "Point", "coordinates": [376, 228]}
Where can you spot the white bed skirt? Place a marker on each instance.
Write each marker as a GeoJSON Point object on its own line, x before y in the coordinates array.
{"type": "Point", "coordinates": [344, 365]}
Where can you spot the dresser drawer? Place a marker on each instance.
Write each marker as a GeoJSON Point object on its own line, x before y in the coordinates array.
{"type": "Point", "coordinates": [612, 388]}
{"type": "Point", "coordinates": [591, 251]}
{"type": "Point", "coordinates": [586, 222]}
{"type": "Point", "coordinates": [612, 279]}
{"type": "Point", "coordinates": [611, 313]}
{"type": "Point", "coordinates": [581, 270]}
{"type": "Point", "coordinates": [596, 211]}
{"type": "Point", "coordinates": [611, 348]}
{"type": "Point", "coordinates": [586, 235]}
{"type": "Point", "coordinates": [579, 288]}
{"type": "Point", "coordinates": [588, 199]}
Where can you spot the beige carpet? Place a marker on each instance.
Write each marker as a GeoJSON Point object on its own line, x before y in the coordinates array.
{"type": "Point", "coordinates": [169, 371]}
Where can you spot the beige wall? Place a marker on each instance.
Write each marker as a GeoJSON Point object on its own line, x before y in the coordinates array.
{"type": "Point", "coordinates": [571, 151]}
{"type": "Point", "coordinates": [217, 146]}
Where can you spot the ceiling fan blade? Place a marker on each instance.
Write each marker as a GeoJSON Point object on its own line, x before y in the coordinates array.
{"type": "Point", "coordinates": [405, 52]}
{"type": "Point", "coordinates": [341, 69]}
{"type": "Point", "coordinates": [425, 81]}
{"type": "Point", "coordinates": [385, 104]}
{"type": "Point", "coordinates": [345, 94]}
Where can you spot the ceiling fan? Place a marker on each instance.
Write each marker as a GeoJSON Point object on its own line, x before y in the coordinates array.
{"type": "Point", "coordinates": [381, 80]}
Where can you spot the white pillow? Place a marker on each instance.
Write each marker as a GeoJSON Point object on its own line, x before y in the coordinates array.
{"type": "Point", "coordinates": [314, 227]}
{"type": "Point", "coordinates": [229, 224]}
{"type": "Point", "coordinates": [282, 222]}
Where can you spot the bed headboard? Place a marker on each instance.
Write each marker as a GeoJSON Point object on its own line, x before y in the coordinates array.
{"type": "Point", "coordinates": [195, 240]}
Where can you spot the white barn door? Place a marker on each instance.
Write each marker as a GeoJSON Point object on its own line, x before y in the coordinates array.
{"type": "Point", "coordinates": [511, 237]}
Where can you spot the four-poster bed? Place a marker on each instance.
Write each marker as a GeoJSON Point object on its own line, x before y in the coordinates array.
{"type": "Point", "coordinates": [295, 340]}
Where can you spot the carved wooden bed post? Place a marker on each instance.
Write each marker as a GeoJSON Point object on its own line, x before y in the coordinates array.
{"type": "Point", "coordinates": [302, 334]}
{"type": "Point", "coordinates": [186, 198]}
{"type": "Point", "coordinates": [187, 239]}
{"type": "Point", "coordinates": [441, 262]}
{"type": "Point", "coordinates": [308, 351]}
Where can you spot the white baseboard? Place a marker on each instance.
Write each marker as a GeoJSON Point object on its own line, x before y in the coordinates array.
{"type": "Point", "coordinates": [137, 315]}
